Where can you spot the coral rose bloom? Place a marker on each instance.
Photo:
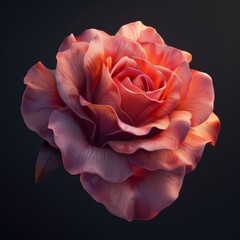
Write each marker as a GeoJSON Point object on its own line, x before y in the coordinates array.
{"type": "Point", "coordinates": [127, 114]}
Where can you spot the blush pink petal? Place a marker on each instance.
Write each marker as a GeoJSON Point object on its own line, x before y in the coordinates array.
{"type": "Point", "coordinates": [80, 156]}
{"type": "Point", "coordinates": [67, 43]}
{"type": "Point", "coordinates": [71, 79]}
{"type": "Point", "coordinates": [187, 55]}
{"type": "Point", "coordinates": [169, 138]}
{"type": "Point", "coordinates": [123, 64]}
{"type": "Point", "coordinates": [93, 61]}
{"type": "Point", "coordinates": [199, 101]}
{"type": "Point", "coordinates": [138, 198]}
{"type": "Point", "coordinates": [40, 99]}
{"type": "Point", "coordinates": [137, 31]}
{"type": "Point", "coordinates": [172, 59]}
{"type": "Point", "coordinates": [187, 155]}
{"type": "Point", "coordinates": [89, 34]}
{"type": "Point", "coordinates": [158, 79]}
{"type": "Point", "coordinates": [119, 46]}
{"type": "Point", "coordinates": [106, 93]}
{"type": "Point", "coordinates": [209, 129]}
{"type": "Point", "coordinates": [70, 75]}
{"type": "Point", "coordinates": [99, 52]}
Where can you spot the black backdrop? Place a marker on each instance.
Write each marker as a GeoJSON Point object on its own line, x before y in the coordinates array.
{"type": "Point", "coordinates": [58, 207]}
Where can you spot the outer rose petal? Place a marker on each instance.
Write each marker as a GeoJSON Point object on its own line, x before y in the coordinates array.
{"type": "Point", "coordinates": [71, 79]}
{"type": "Point", "coordinates": [87, 36]}
{"type": "Point", "coordinates": [208, 130]}
{"type": "Point", "coordinates": [67, 43]}
{"type": "Point", "coordinates": [70, 75]}
{"type": "Point", "coordinates": [200, 98]}
{"type": "Point", "coordinates": [187, 155]}
{"type": "Point", "coordinates": [138, 198]}
{"type": "Point", "coordinates": [79, 156]}
{"type": "Point", "coordinates": [167, 139]}
{"type": "Point", "coordinates": [187, 56]}
{"type": "Point", "coordinates": [137, 31]}
{"type": "Point", "coordinates": [40, 99]}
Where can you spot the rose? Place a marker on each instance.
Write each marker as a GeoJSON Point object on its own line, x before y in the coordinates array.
{"type": "Point", "coordinates": [127, 114]}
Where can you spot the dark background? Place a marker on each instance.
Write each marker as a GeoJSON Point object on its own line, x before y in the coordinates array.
{"type": "Point", "coordinates": [58, 207]}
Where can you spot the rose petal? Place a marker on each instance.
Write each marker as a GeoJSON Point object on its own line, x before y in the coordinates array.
{"type": "Point", "coordinates": [67, 43]}
{"type": "Point", "coordinates": [106, 93]}
{"type": "Point", "coordinates": [138, 198]}
{"type": "Point", "coordinates": [137, 31]}
{"type": "Point", "coordinates": [170, 58]}
{"type": "Point", "coordinates": [121, 66]}
{"type": "Point", "coordinates": [39, 100]}
{"type": "Point", "coordinates": [125, 75]}
{"type": "Point", "coordinates": [71, 79]}
{"type": "Point", "coordinates": [200, 98]}
{"type": "Point", "coordinates": [187, 56]}
{"type": "Point", "coordinates": [187, 155]}
{"type": "Point", "coordinates": [93, 60]}
{"type": "Point", "coordinates": [166, 139]}
{"type": "Point", "coordinates": [70, 75]}
{"type": "Point", "coordinates": [119, 46]}
{"type": "Point", "coordinates": [98, 53]}
{"type": "Point", "coordinates": [89, 34]}
{"type": "Point", "coordinates": [209, 129]}
{"type": "Point", "coordinates": [80, 156]}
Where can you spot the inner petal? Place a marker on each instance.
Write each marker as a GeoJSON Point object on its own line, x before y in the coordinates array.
{"type": "Point", "coordinates": [128, 72]}
{"type": "Point", "coordinates": [144, 82]}
{"type": "Point", "coordinates": [123, 64]}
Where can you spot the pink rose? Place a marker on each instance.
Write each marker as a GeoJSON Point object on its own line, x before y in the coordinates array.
{"type": "Point", "coordinates": [127, 114]}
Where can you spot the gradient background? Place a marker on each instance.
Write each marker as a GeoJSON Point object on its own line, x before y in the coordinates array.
{"type": "Point", "coordinates": [58, 207]}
